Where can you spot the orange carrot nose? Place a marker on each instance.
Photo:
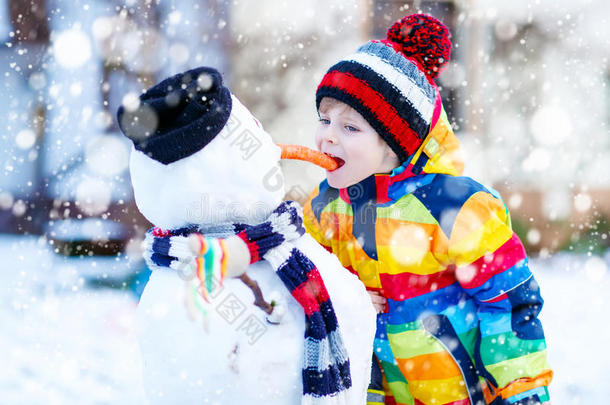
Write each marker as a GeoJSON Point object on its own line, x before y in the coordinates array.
{"type": "Point", "coordinates": [300, 152]}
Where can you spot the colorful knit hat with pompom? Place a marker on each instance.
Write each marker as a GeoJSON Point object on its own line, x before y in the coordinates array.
{"type": "Point", "coordinates": [390, 82]}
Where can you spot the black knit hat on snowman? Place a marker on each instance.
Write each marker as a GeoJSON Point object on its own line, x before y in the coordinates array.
{"type": "Point", "coordinates": [179, 116]}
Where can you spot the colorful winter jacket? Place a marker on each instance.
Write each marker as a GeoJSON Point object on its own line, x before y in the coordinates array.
{"type": "Point", "coordinates": [461, 325]}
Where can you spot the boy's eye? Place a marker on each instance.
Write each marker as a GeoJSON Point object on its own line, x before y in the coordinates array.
{"type": "Point", "coordinates": [324, 121]}
{"type": "Point", "coordinates": [351, 129]}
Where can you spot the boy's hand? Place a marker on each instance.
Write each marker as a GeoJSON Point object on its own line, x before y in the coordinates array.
{"type": "Point", "coordinates": [379, 302]}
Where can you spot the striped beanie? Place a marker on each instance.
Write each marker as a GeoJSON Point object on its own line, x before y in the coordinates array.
{"type": "Point", "coordinates": [390, 81]}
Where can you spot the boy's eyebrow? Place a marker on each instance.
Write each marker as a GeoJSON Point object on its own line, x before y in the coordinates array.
{"type": "Point", "coordinates": [355, 116]}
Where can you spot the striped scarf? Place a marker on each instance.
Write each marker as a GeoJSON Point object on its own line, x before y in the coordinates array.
{"type": "Point", "coordinates": [326, 368]}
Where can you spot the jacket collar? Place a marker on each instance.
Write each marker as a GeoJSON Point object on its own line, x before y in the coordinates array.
{"type": "Point", "coordinates": [386, 188]}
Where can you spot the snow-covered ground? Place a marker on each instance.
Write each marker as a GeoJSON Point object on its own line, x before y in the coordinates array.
{"type": "Point", "coordinates": [66, 343]}
{"type": "Point", "coordinates": [63, 342]}
{"type": "Point", "coordinates": [577, 326]}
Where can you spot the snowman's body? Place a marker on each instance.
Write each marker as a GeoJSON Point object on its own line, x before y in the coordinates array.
{"type": "Point", "coordinates": [241, 358]}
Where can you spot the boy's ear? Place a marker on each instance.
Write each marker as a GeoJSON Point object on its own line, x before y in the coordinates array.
{"type": "Point", "coordinates": [391, 155]}
{"type": "Point", "coordinates": [388, 151]}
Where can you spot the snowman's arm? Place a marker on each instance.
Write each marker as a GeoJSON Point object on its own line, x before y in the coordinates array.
{"type": "Point", "coordinates": [259, 299]}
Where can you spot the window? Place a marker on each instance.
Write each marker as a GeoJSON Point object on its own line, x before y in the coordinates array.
{"type": "Point", "coordinates": [29, 21]}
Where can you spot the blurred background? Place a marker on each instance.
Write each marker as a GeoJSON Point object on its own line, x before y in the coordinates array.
{"type": "Point", "coordinates": [527, 91]}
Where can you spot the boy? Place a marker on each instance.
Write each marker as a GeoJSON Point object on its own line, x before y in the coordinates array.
{"type": "Point", "coordinates": [460, 319]}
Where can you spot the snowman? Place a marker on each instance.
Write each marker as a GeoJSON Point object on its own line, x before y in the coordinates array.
{"type": "Point", "coordinates": [242, 306]}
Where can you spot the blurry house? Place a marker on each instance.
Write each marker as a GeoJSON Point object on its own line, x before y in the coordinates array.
{"type": "Point", "coordinates": [25, 36]}
{"type": "Point", "coordinates": [69, 67]}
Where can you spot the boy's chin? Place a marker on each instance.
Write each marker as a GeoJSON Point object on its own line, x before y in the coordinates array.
{"type": "Point", "coordinates": [337, 182]}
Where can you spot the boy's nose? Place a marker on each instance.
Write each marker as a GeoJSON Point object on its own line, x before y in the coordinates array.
{"type": "Point", "coordinates": [329, 136]}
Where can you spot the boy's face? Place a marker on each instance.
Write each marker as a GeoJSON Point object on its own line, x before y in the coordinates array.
{"type": "Point", "coordinates": [346, 136]}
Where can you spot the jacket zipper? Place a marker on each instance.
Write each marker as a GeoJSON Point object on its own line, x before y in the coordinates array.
{"type": "Point", "coordinates": [454, 360]}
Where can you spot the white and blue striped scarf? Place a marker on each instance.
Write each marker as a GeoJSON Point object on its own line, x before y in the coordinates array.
{"type": "Point", "coordinates": [326, 370]}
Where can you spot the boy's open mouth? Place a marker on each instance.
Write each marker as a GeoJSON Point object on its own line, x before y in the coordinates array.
{"type": "Point", "coordinates": [340, 162]}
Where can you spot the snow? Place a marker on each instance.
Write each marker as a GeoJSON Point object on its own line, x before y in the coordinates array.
{"type": "Point", "coordinates": [574, 317]}
{"type": "Point", "coordinates": [63, 342]}
{"type": "Point", "coordinates": [66, 346]}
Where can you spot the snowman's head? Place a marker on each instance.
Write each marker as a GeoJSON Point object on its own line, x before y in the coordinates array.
{"type": "Point", "coordinates": [199, 156]}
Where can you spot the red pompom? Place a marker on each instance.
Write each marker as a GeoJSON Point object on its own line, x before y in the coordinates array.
{"type": "Point", "coordinates": [424, 39]}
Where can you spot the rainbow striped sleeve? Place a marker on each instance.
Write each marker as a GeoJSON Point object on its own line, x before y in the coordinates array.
{"type": "Point", "coordinates": [491, 265]}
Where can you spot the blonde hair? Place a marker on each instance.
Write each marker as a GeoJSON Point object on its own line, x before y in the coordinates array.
{"type": "Point", "coordinates": [328, 102]}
